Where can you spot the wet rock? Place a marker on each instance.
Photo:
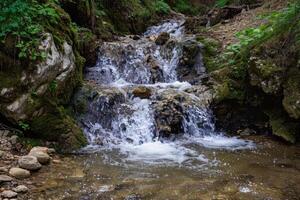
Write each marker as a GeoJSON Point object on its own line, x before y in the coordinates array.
{"type": "Point", "coordinates": [156, 71]}
{"type": "Point", "coordinates": [5, 178]}
{"type": "Point", "coordinates": [9, 194]}
{"type": "Point", "coordinates": [142, 92]}
{"type": "Point", "coordinates": [191, 65]}
{"type": "Point", "coordinates": [246, 132]}
{"type": "Point", "coordinates": [21, 189]}
{"type": "Point", "coordinates": [29, 162]}
{"type": "Point", "coordinates": [168, 116]}
{"type": "Point", "coordinates": [42, 157]}
{"type": "Point", "coordinates": [133, 197]}
{"type": "Point", "coordinates": [162, 38]}
{"type": "Point", "coordinates": [19, 173]}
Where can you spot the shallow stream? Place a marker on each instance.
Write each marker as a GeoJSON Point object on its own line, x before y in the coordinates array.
{"type": "Point", "coordinates": [152, 135]}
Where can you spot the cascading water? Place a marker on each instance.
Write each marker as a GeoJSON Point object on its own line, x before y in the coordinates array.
{"type": "Point", "coordinates": [159, 123]}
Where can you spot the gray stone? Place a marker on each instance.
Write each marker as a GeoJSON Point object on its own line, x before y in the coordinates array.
{"type": "Point", "coordinates": [14, 139]}
{"type": "Point", "coordinates": [4, 169]}
{"type": "Point", "coordinates": [19, 173]}
{"type": "Point", "coordinates": [5, 178]}
{"type": "Point", "coordinates": [1, 153]}
{"type": "Point", "coordinates": [29, 162]}
{"type": "Point", "coordinates": [41, 149]}
{"type": "Point", "coordinates": [42, 157]}
{"type": "Point", "coordinates": [9, 194]}
{"type": "Point", "coordinates": [21, 189]}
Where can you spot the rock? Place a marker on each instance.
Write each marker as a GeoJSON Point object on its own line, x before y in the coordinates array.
{"type": "Point", "coordinates": [9, 194]}
{"type": "Point", "coordinates": [29, 162]}
{"type": "Point", "coordinates": [21, 189]}
{"type": "Point", "coordinates": [162, 38]}
{"type": "Point", "coordinates": [291, 100]}
{"type": "Point", "coordinates": [41, 149]}
{"type": "Point", "coordinates": [42, 157]}
{"type": "Point", "coordinates": [142, 92]}
{"type": "Point", "coordinates": [246, 132]}
{"type": "Point", "coordinates": [133, 197]}
{"type": "Point", "coordinates": [57, 69]}
{"type": "Point", "coordinates": [5, 178]}
{"type": "Point", "coordinates": [14, 139]}
{"type": "Point", "coordinates": [19, 173]}
{"type": "Point", "coordinates": [51, 151]}
{"type": "Point", "coordinates": [4, 169]}
{"type": "Point", "coordinates": [1, 153]}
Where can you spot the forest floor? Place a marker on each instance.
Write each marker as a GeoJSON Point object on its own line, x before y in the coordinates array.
{"type": "Point", "coordinates": [225, 32]}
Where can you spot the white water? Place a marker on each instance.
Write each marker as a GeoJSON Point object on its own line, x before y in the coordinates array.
{"type": "Point", "coordinates": [132, 131]}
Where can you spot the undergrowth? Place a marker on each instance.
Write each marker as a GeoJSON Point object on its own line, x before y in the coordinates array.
{"type": "Point", "coordinates": [24, 20]}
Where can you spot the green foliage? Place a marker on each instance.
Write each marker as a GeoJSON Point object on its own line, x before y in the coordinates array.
{"type": "Point", "coordinates": [184, 6]}
{"type": "Point", "coordinates": [53, 86]}
{"type": "Point", "coordinates": [24, 126]}
{"type": "Point", "coordinates": [222, 3]}
{"type": "Point", "coordinates": [161, 7]}
{"type": "Point", "coordinates": [24, 20]}
{"type": "Point", "coordinates": [278, 23]}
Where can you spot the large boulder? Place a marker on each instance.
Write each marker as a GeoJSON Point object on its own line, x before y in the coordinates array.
{"type": "Point", "coordinates": [29, 162]}
{"type": "Point", "coordinates": [34, 93]}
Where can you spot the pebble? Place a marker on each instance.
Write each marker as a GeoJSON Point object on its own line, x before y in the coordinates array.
{"type": "Point", "coordinates": [5, 178]}
{"type": "Point", "coordinates": [1, 153]}
{"type": "Point", "coordinates": [9, 194]}
{"type": "Point", "coordinates": [21, 189]}
{"type": "Point", "coordinates": [19, 173]}
{"type": "Point", "coordinates": [4, 169]}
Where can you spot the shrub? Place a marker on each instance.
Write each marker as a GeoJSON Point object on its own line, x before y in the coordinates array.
{"type": "Point", "coordinates": [161, 7]}
{"type": "Point", "coordinates": [25, 20]}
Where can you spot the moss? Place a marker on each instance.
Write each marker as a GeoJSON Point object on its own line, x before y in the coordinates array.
{"type": "Point", "coordinates": [291, 100]}
{"type": "Point", "coordinates": [283, 127]}
{"type": "Point", "coordinates": [210, 53]}
{"type": "Point", "coordinates": [59, 127]}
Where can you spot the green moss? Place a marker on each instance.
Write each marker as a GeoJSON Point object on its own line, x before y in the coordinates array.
{"type": "Point", "coordinates": [210, 53]}
{"type": "Point", "coordinates": [59, 127]}
{"type": "Point", "coordinates": [291, 100]}
{"type": "Point", "coordinates": [283, 127]}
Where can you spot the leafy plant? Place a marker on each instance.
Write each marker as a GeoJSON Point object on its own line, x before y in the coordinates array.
{"type": "Point", "coordinates": [24, 126]}
{"type": "Point", "coordinates": [161, 7]}
{"type": "Point", "coordinates": [24, 20]}
{"type": "Point", "coordinates": [222, 3]}
{"type": "Point", "coordinates": [53, 86]}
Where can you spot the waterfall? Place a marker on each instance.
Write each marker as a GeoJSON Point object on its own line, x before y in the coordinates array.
{"type": "Point", "coordinates": [156, 125]}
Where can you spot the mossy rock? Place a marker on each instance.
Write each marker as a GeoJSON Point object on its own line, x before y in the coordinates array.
{"type": "Point", "coordinates": [211, 50]}
{"type": "Point", "coordinates": [59, 127]}
{"type": "Point", "coordinates": [291, 100]}
{"type": "Point", "coordinates": [283, 127]}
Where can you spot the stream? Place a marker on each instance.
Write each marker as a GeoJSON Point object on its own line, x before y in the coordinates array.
{"type": "Point", "coordinates": [152, 135]}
